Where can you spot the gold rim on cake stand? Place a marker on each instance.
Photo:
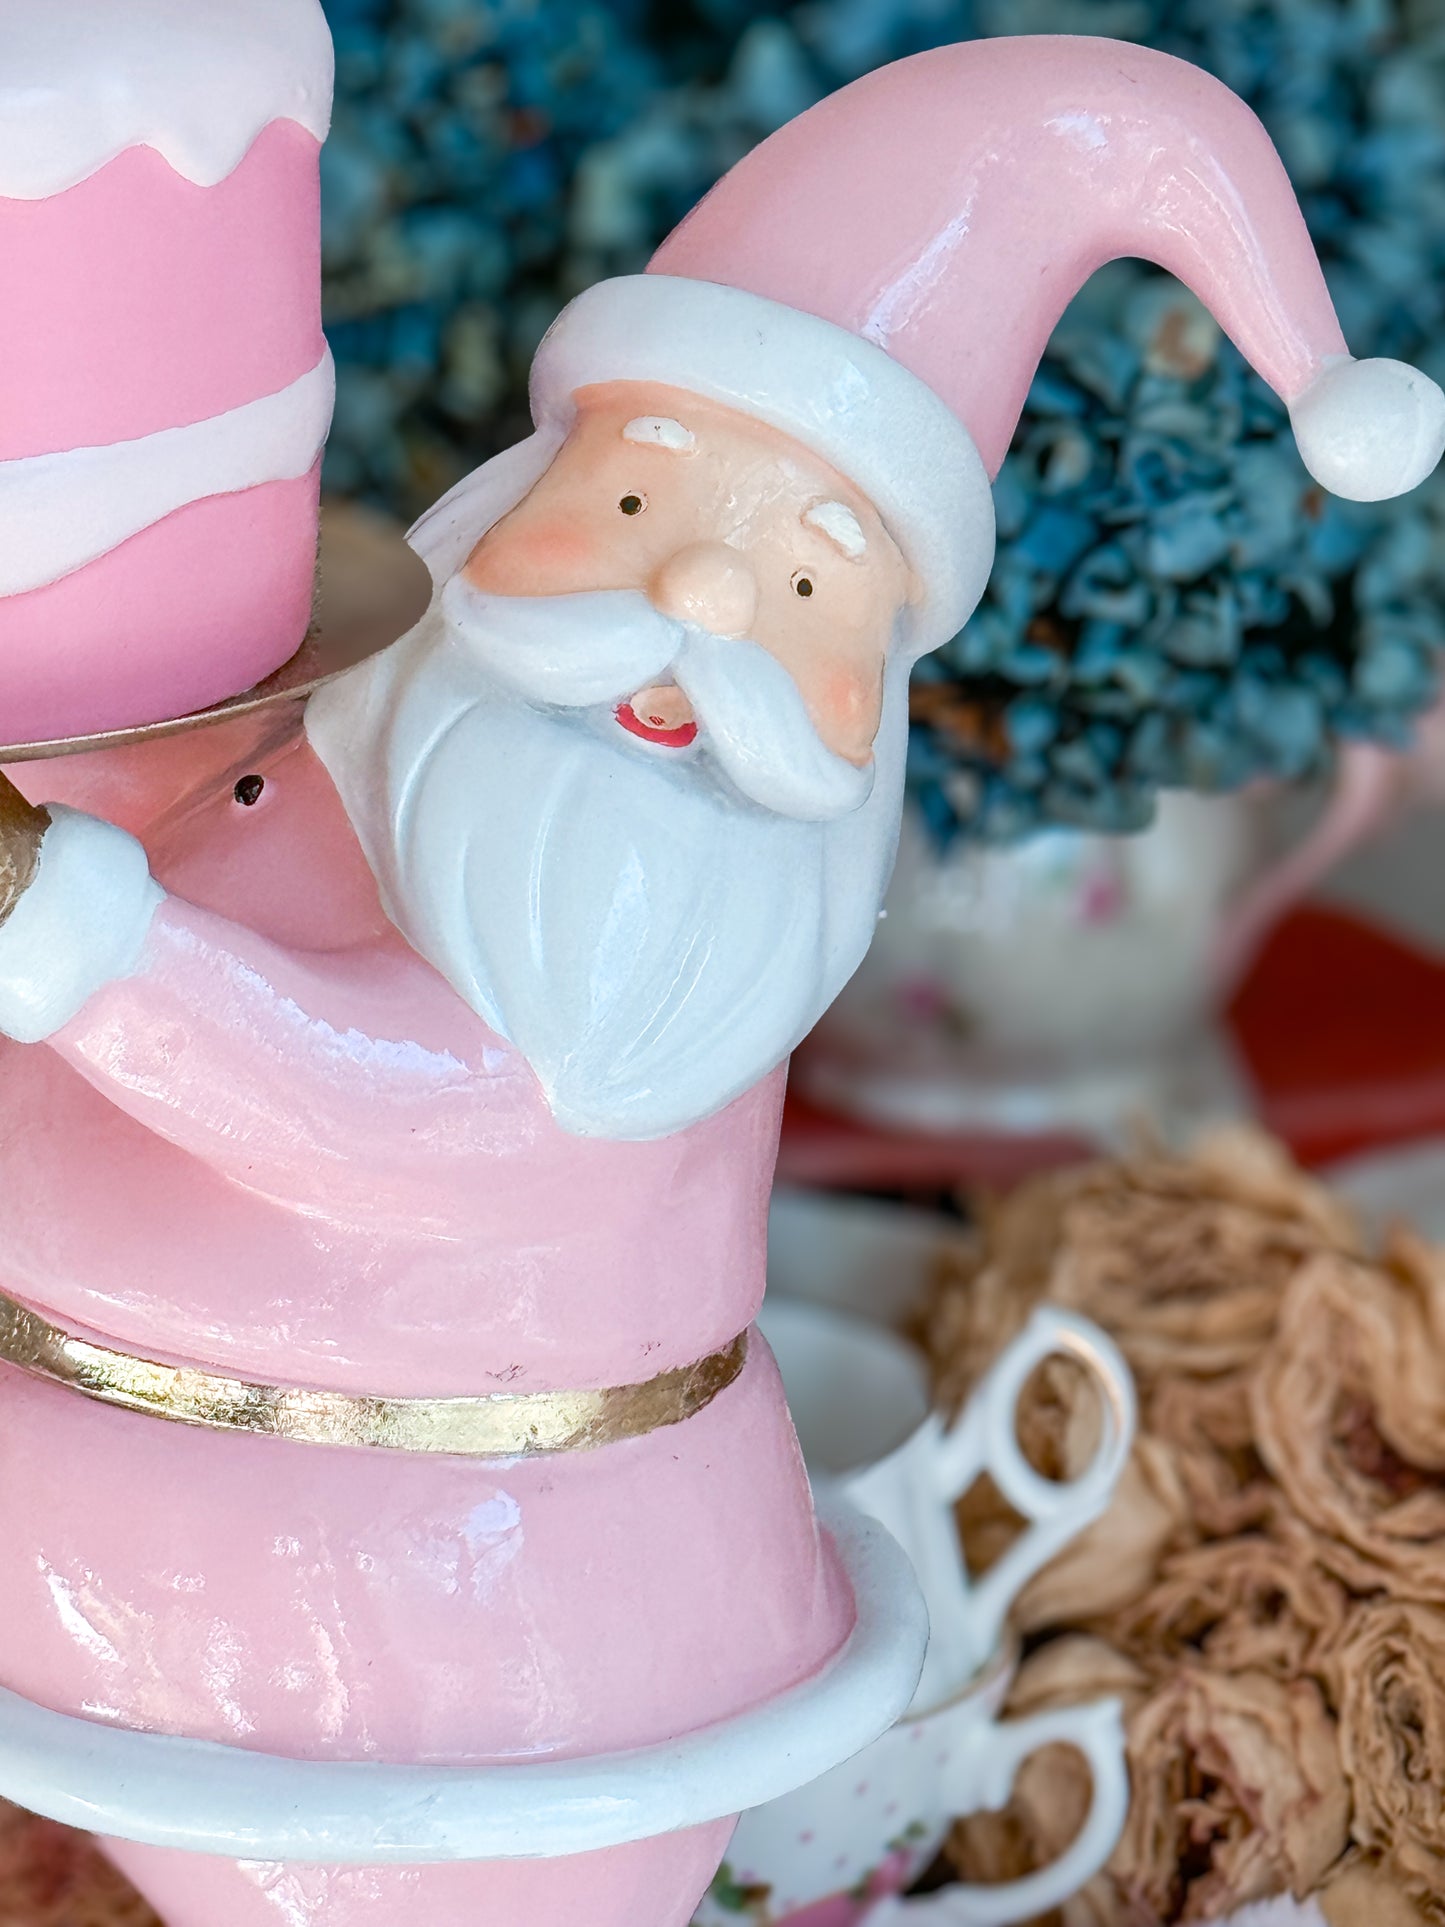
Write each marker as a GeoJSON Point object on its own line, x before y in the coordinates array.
{"type": "Point", "coordinates": [373, 588]}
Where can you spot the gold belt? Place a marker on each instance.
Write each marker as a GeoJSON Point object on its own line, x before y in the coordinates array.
{"type": "Point", "coordinates": [495, 1425]}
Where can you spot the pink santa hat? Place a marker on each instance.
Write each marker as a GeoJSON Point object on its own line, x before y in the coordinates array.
{"type": "Point", "coordinates": [880, 277]}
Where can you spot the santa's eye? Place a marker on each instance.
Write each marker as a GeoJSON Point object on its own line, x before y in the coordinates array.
{"type": "Point", "coordinates": [633, 504]}
{"type": "Point", "coordinates": [802, 583]}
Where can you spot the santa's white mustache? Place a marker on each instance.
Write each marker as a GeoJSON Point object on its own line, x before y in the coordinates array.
{"type": "Point", "coordinates": [601, 646]}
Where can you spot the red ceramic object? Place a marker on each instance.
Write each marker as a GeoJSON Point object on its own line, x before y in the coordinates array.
{"type": "Point", "coordinates": [1339, 1027]}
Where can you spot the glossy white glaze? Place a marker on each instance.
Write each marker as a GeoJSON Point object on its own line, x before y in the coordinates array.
{"type": "Point", "coordinates": [1369, 430]}
{"type": "Point", "coordinates": [1072, 982]}
{"type": "Point", "coordinates": [855, 1837]}
{"type": "Point", "coordinates": [860, 1401]}
{"type": "Point", "coordinates": [81, 924]}
{"type": "Point", "coordinates": [651, 939]}
{"type": "Point", "coordinates": [865, 1830]}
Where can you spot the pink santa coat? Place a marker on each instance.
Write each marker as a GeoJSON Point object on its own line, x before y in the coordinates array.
{"type": "Point", "coordinates": [284, 1149]}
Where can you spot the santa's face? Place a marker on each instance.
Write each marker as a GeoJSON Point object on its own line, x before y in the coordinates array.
{"type": "Point", "coordinates": [642, 825]}
{"type": "Point", "coordinates": [721, 521]}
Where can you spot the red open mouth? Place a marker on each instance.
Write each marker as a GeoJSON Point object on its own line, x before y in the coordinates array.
{"type": "Point", "coordinates": [655, 732]}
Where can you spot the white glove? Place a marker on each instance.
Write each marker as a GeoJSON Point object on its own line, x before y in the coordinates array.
{"type": "Point", "coordinates": [79, 922]}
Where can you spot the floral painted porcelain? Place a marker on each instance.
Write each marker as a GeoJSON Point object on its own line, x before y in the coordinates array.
{"type": "Point", "coordinates": [827, 1855]}
{"type": "Point", "coordinates": [1074, 983]}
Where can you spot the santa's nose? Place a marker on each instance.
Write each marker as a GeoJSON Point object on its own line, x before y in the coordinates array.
{"type": "Point", "coordinates": [707, 583]}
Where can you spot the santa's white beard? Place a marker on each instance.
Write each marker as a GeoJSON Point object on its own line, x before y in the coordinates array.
{"type": "Point", "coordinates": [651, 939]}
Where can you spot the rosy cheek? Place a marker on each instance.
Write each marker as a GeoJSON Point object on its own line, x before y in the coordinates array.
{"type": "Point", "coordinates": [846, 707]}
{"type": "Point", "coordinates": [560, 547]}
{"type": "Point", "coordinates": [535, 558]}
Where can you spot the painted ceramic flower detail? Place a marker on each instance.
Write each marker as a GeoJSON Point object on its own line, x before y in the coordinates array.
{"type": "Point", "coordinates": [847, 1909]}
{"type": "Point", "coordinates": [738, 1896]}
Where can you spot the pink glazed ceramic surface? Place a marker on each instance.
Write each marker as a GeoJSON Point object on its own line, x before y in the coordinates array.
{"type": "Point", "coordinates": [400, 1268]}
{"type": "Point", "coordinates": [234, 575]}
{"type": "Point", "coordinates": [654, 1880]}
{"type": "Point", "coordinates": [253, 1605]}
{"type": "Point", "coordinates": [560, 1268]}
{"type": "Point", "coordinates": [969, 233]}
{"type": "Point", "coordinates": [142, 301]}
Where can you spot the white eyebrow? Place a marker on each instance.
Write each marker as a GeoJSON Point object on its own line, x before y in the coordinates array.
{"type": "Point", "coordinates": [661, 430]}
{"type": "Point", "coordinates": [841, 526]}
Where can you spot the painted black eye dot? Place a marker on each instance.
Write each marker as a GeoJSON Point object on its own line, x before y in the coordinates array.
{"type": "Point", "coordinates": [633, 504]}
{"type": "Point", "coordinates": [802, 584]}
{"type": "Point", "coordinates": [248, 790]}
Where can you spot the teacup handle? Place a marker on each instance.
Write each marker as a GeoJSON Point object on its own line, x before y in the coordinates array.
{"type": "Point", "coordinates": [985, 1439]}
{"type": "Point", "coordinates": [982, 1779]}
{"type": "Point", "coordinates": [1370, 784]}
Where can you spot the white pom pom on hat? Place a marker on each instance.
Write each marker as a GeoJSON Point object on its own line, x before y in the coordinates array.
{"type": "Point", "coordinates": [1369, 430]}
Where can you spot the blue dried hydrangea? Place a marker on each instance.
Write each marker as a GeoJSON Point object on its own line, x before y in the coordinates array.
{"type": "Point", "coordinates": [489, 159]}
{"type": "Point", "coordinates": [1174, 603]}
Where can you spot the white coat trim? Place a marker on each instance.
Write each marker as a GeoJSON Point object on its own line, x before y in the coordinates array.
{"type": "Point", "coordinates": [59, 512]}
{"type": "Point", "coordinates": [195, 1795]}
{"type": "Point", "coordinates": [81, 924]}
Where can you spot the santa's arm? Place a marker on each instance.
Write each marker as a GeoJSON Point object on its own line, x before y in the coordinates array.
{"type": "Point", "coordinates": [316, 1078]}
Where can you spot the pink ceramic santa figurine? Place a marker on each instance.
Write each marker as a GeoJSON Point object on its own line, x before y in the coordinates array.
{"type": "Point", "coordinates": [392, 1504]}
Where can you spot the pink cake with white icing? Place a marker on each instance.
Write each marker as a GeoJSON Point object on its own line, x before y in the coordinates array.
{"type": "Point", "coordinates": [165, 387]}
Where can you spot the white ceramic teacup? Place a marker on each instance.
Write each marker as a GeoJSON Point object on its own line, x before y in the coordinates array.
{"type": "Point", "coordinates": [859, 1398]}
{"type": "Point", "coordinates": [830, 1854]}
{"type": "Point", "coordinates": [1075, 981]}
{"type": "Point", "coordinates": [840, 1850]}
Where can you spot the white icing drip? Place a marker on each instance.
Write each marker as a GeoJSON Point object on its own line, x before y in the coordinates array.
{"type": "Point", "coordinates": [197, 80]}
{"type": "Point", "coordinates": [61, 511]}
